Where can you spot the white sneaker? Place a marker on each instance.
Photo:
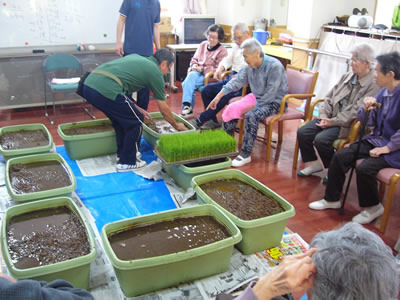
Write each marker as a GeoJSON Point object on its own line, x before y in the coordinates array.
{"type": "Point", "coordinates": [323, 204]}
{"type": "Point", "coordinates": [369, 214]}
{"type": "Point", "coordinates": [239, 161]}
{"type": "Point", "coordinates": [314, 167]}
{"type": "Point", "coordinates": [187, 111]}
{"type": "Point", "coordinates": [126, 168]}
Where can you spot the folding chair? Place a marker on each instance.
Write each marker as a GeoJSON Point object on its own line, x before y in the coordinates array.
{"type": "Point", "coordinates": [61, 73]}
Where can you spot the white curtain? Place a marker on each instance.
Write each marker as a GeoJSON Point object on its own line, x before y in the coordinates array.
{"type": "Point", "coordinates": [195, 7]}
{"type": "Point", "coordinates": [331, 68]}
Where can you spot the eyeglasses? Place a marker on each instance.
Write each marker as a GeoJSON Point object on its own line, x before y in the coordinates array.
{"type": "Point", "coordinates": [212, 37]}
{"type": "Point", "coordinates": [237, 38]}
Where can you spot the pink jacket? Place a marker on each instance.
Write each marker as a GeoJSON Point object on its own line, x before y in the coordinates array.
{"type": "Point", "coordinates": [208, 60]}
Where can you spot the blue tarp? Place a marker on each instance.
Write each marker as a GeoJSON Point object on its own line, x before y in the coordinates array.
{"type": "Point", "coordinates": [118, 196]}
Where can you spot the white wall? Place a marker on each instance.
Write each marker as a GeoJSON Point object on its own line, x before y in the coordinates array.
{"type": "Point", "coordinates": [305, 17]}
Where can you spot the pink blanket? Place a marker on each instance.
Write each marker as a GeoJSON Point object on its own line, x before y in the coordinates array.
{"type": "Point", "coordinates": [233, 110]}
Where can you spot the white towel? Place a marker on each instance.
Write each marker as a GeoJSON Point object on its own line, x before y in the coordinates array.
{"type": "Point", "coordinates": [65, 80]}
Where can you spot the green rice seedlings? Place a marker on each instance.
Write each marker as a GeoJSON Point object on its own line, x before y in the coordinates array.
{"type": "Point", "coordinates": [187, 146]}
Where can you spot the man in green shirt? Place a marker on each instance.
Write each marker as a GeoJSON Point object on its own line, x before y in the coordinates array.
{"type": "Point", "coordinates": [106, 89]}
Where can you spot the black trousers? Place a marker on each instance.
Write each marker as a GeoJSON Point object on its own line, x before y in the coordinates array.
{"type": "Point", "coordinates": [366, 171]}
{"type": "Point", "coordinates": [127, 126]}
{"type": "Point", "coordinates": [311, 135]}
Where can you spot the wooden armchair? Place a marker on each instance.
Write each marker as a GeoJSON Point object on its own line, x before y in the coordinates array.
{"type": "Point", "coordinates": [301, 84]}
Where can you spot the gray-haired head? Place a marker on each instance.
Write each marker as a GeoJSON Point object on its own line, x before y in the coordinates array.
{"type": "Point", "coordinates": [353, 263]}
{"type": "Point", "coordinates": [364, 53]}
{"type": "Point", "coordinates": [241, 27]}
{"type": "Point", "coordinates": [164, 55]}
{"type": "Point", "coordinates": [252, 45]}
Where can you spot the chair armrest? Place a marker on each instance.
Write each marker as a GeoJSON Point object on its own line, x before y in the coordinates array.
{"type": "Point", "coordinates": [352, 137]}
{"type": "Point", "coordinates": [309, 115]}
{"type": "Point", "coordinates": [207, 77]}
{"type": "Point", "coordinates": [284, 101]}
{"type": "Point", "coordinates": [226, 73]}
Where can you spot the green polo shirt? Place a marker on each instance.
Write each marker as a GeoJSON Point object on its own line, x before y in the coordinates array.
{"type": "Point", "coordinates": [134, 71]}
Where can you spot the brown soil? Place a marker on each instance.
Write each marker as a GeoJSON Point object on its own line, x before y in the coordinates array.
{"type": "Point", "coordinates": [88, 129]}
{"type": "Point", "coordinates": [167, 237]}
{"type": "Point", "coordinates": [38, 176]}
{"type": "Point", "coordinates": [46, 237]}
{"type": "Point", "coordinates": [241, 199]}
{"type": "Point", "coordinates": [160, 125]}
{"type": "Point", "coordinates": [23, 139]}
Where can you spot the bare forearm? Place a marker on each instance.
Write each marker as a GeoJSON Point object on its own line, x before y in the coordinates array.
{"type": "Point", "coordinates": [166, 112]}
{"type": "Point", "coordinates": [157, 35]}
{"type": "Point", "coordinates": [120, 28]}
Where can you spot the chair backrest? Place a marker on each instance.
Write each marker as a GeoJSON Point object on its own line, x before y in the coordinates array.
{"type": "Point", "coordinates": [300, 81]}
{"type": "Point", "coordinates": [61, 61]}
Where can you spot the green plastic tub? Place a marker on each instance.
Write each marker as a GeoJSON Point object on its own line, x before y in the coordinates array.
{"type": "Point", "coordinates": [75, 270]}
{"type": "Point", "coordinates": [56, 192]}
{"type": "Point", "coordinates": [152, 137]}
{"type": "Point", "coordinates": [7, 154]}
{"type": "Point", "coordinates": [140, 276]}
{"type": "Point", "coordinates": [183, 174]}
{"type": "Point", "coordinates": [88, 145]}
{"type": "Point", "coordinates": [258, 234]}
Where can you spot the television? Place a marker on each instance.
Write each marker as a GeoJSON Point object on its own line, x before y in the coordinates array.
{"type": "Point", "coordinates": [192, 28]}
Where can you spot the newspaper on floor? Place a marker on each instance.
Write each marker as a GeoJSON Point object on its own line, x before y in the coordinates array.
{"type": "Point", "coordinates": [99, 165]}
{"type": "Point", "coordinates": [181, 197]}
{"type": "Point", "coordinates": [291, 244]}
{"type": "Point", "coordinates": [151, 171]}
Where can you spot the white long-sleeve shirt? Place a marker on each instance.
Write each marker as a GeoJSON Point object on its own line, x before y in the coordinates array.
{"type": "Point", "coordinates": [234, 59]}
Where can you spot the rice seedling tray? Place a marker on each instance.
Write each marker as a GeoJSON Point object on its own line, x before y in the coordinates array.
{"type": "Point", "coordinates": [193, 160]}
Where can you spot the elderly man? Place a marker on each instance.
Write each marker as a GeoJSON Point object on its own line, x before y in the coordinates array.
{"type": "Point", "coordinates": [267, 79]}
{"type": "Point", "coordinates": [106, 89]}
{"type": "Point", "coordinates": [351, 263]}
{"type": "Point", "coordinates": [338, 111]}
{"type": "Point", "coordinates": [378, 151]}
{"type": "Point", "coordinates": [234, 61]}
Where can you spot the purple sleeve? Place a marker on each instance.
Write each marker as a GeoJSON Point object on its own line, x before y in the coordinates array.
{"type": "Point", "coordinates": [248, 293]}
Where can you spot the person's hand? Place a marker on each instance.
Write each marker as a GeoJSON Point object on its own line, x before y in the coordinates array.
{"type": "Point", "coordinates": [324, 123]}
{"type": "Point", "coordinates": [119, 49]}
{"type": "Point", "coordinates": [369, 103]}
{"type": "Point", "coordinates": [196, 69]}
{"type": "Point", "coordinates": [218, 74]}
{"type": "Point", "coordinates": [146, 115]}
{"type": "Point", "coordinates": [294, 274]}
{"type": "Point", "coordinates": [180, 127]}
{"type": "Point", "coordinates": [376, 152]}
{"type": "Point", "coordinates": [213, 104]}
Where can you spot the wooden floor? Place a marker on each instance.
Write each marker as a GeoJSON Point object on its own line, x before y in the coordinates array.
{"type": "Point", "coordinates": [277, 174]}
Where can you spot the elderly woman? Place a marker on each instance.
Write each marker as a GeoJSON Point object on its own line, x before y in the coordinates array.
{"type": "Point", "coordinates": [233, 61]}
{"type": "Point", "coordinates": [268, 82]}
{"type": "Point", "coordinates": [347, 263]}
{"type": "Point", "coordinates": [206, 59]}
{"type": "Point", "coordinates": [338, 111]}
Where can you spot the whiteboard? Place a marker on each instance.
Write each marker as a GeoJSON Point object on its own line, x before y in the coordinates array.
{"type": "Point", "coordinates": [26, 23]}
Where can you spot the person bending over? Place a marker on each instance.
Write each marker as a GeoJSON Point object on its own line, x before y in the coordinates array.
{"type": "Point", "coordinates": [268, 83]}
{"type": "Point", "coordinates": [206, 59]}
{"type": "Point", "coordinates": [234, 61]}
{"type": "Point", "coordinates": [338, 111]}
{"type": "Point", "coordinates": [378, 151]}
{"type": "Point", "coordinates": [106, 89]}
